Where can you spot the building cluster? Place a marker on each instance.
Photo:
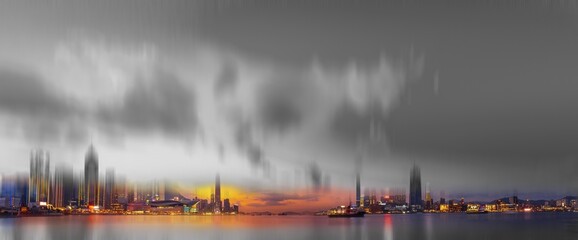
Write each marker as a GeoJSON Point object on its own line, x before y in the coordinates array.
{"type": "Point", "coordinates": [395, 201]}
{"type": "Point", "coordinates": [43, 191]}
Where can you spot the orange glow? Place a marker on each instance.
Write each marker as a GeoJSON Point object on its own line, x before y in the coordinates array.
{"type": "Point", "coordinates": [260, 201]}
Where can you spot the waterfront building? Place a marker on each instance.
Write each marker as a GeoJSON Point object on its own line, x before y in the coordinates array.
{"type": "Point", "coordinates": [63, 186]}
{"type": "Point", "coordinates": [39, 179]}
{"type": "Point", "coordinates": [13, 190]}
{"type": "Point", "coordinates": [236, 208]}
{"type": "Point", "coordinates": [226, 206]}
{"type": "Point", "coordinates": [91, 183]}
{"type": "Point", "coordinates": [428, 198]}
{"type": "Point", "coordinates": [415, 198]}
{"type": "Point", "coordinates": [357, 189]}
{"type": "Point", "coordinates": [218, 207]}
{"type": "Point", "coordinates": [110, 195]}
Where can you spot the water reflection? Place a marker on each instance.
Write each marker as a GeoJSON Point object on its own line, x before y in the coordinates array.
{"type": "Point", "coordinates": [387, 229]}
{"type": "Point", "coordinates": [415, 226]}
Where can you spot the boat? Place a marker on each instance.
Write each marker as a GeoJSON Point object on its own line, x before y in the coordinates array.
{"type": "Point", "coordinates": [477, 212]}
{"type": "Point", "coordinates": [9, 213]}
{"type": "Point", "coordinates": [345, 212]}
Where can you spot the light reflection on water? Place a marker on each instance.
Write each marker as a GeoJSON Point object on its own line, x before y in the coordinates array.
{"type": "Point", "coordinates": [416, 226]}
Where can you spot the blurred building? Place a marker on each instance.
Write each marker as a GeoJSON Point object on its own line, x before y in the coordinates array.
{"type": "Point", "coordinates": [429, 204]}
{"type": "Point", "coordinates": [218, 205]}
{"type": "Point", "coordinates": [63, 186]}
{"type": "Point", "coordinates": [39, 179]}
{"type": "Point", "coordinates": [415, 198]}
{"type": "Point", "coordinates": [13, 190]}
{"type": "Point", "coordinates": [357, 189]}
{"type": "Point", "coordinates": [110, 194]}
{"type": "Point", "coordinates": [159, 193]}
{"type": "Point", "coordinates": [226, 205]}
{"type": "Point", "coordinates": [91, 183]}
{"type": "Point", "coordinates": [78, 193]}
{"type": "Point", "coordinates": [121, 190]}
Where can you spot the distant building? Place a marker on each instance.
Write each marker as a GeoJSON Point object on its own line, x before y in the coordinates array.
{"type": "Point", "coordinates": [39, 180]}
{"type": "Point", "coordinates": [513, 200]}
{"type": "Point", "coordinates": [63, 186]}
{"type": "Point", "coordinates": [91, 185]}
{"type": "Point", "coordinates": [110, 190]}
{"type": "Point", "coordinates": [218, 207]}
{"type": "Point", "coordinates": [429, 204]}
{"type": "Point", "coordinates": [415, 198]}
{"type": "Point", "coordinates": [226, 206]}
{"type": "Point", "coordinates": [366, 202]}
{"type": "Point", "coordinates": [357, 189]}
{"type": "Point", "coordinates": [13, 190]}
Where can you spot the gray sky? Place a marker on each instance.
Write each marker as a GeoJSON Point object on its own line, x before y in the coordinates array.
{"type": "Point", "coordinates": [288, 93]}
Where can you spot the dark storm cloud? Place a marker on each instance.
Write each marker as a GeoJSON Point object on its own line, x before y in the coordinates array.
{"type": "Point", "coordinates": [280, 103]}
{"type": "Point", "coordinates": [350, 125]}
{"type": "Point", "coordinates": [227, 79]}
{"type": "Point", "coordinates": [39, 112]}
{"type": "Point", "coordinates": [245, 141]}
{"type": "Point", "coordinates": [160, 103]}
{"type": "Point", "coordinates": [22, 92]}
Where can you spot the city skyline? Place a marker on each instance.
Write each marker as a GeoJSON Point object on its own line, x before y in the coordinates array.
{"type": "Point", "coordinates": [58, 188]}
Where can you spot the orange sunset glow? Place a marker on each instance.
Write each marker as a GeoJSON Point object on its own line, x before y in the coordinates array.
{"type": "Point", "coordinates": [275, 201]}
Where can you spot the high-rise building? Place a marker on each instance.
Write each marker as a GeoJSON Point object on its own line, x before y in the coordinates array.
{"type": "Point", "coordinates": [218, 204]}
{"type": "Point", "coordinates": [78, 194]}
{"type": "Point", "coordinates": [442, 197]}
{"type": "Point", "coordinates": [397, 196]}
{"type": "Point", "coordinates": [415, 198]}
{"type": "Point", "coordinates": [428, 197]}
{"type": "Point", "coordinates": [91, 185]}
{"type": "Point", "coordinates": [13, 190]}
{"type": "Point", "coordinates": [121, 190]}
{"type": "Point", "coordinates": [159, 193]}
{"type": "Point", "coordinates": [110, 195]}
{"type": "Point", "coordinates": [357, 189]}
{"type": "Point", "coordinates": [226, 206]}
{"type": "Point", "coordinates": [63, 186]}
{"type": "Point", "coordinates": [39, 180]}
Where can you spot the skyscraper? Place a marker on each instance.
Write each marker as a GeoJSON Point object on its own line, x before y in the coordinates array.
{"type": "Point", "coordinates": [110, 195]}
{"type": "Point", "coordinates": [428, 197]}
{"type": "Point", "coordinates": [63, 186]}
{"type": "Point", "coordinates": [91, 177]}
{"type": "Point", "coordinates": [415, 198]}
{"type": "Point", "coordinates": [357, 189]}
{"type": "Point", "coordinates": [39, 180]}
{"type": "Point", "coordinates": [226, 206]}
{"type": "Point", "coordinates": [218, 204]}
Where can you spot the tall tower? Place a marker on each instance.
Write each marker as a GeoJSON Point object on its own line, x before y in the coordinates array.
{"type": "Point", "coordinates": [91, 177]}
{"type": "Point", "coordinates": [415, 200]}
{"type": "Point", "coordinates": [218, 204]}
{"type": "Point", "coordinates": [357, 189]}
